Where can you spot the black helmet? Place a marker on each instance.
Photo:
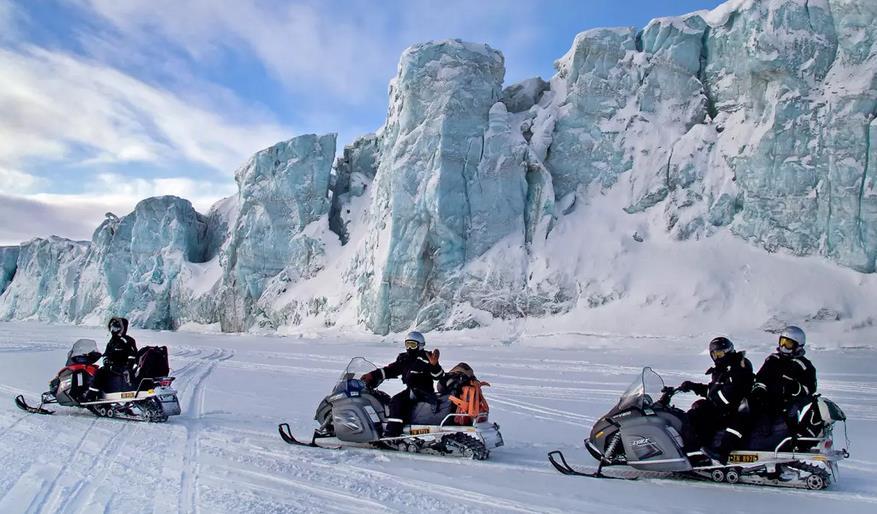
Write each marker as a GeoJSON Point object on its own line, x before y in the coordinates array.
{"type": "Point", "coordinates": [118, 326]}
{"type": "Point", "coordinates": [719, 347]}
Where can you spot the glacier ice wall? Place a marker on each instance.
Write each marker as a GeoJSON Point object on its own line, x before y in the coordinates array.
{"type": "Point", "coordinates": [45, 282]}
{"type": "Point", "coordinates": [8, 265]}
{"type": "Point", "coordinates": [354, 170]}
{"type": "Point", "coordinates": [282, 190]}
{"type": "Point", "coordinates": [433, 141]}
{"type": "Point", "coordinates": [756, 118]}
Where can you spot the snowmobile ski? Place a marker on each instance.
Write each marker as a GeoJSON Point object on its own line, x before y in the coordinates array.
{"type": "Point", "coordinates": [22, 404]}
{"type": "Point", "coordinates": [564, 467]}
{"type": "Point", "coordinates": [288, 438]}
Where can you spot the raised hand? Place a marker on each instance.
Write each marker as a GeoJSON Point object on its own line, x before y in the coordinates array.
{"type": "Point", "coordinates": [433, 357]}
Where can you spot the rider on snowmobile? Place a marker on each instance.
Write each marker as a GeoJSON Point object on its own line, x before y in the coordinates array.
{"type": "Point", "coordinates": [787, 379]}
{"type": "Point", "coordinates": [119, 358]}
{"type": "Point", "coordinates": [418, 369]}
{"type": "Point", "coordinates": [731, 380]}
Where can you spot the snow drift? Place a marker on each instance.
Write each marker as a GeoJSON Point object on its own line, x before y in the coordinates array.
{"type": "Point", "coordinates": [712, 167]}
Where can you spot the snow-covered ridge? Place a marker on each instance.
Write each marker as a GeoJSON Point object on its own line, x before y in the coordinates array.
{"type": "Point", "coordinates": [632, 189]}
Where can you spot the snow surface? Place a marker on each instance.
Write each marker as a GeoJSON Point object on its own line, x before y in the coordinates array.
{"type": "Point", "coordinates": [223, 453]}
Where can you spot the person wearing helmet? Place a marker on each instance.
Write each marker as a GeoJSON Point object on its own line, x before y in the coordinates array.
{"type": "Point", "coordinates": [786, 379]}
{"type": "Point", "coordinates": [731, 380]}
{"type": "Point", "coordinates": [418, 370]}
{"type": "Point", "coordinates": [119, 358]}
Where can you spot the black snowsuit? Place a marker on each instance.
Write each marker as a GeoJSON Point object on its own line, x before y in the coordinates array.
{"type": "Point", "coordinates": [120, 356]}
{"type": "Point", "coordinates": [121, 352]}
{"type": "Point", "coordinates": [731, 381]}
{"type": "Point", "coordinates": [782, 382]}
{"type": "Point", "coordinates": [418, 375]}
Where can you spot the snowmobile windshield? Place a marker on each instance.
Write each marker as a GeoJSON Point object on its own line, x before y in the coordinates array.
{"type": "Point", "coordinates": [642, 391]}
{"type": "Point", "coordinates": [82, 348]}
{"type": "Point", "coordinates": [357, 367]}
{"type": "Point", "coordinates": [349, 382]}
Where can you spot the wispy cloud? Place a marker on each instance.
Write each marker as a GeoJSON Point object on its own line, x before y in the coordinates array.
{"type": "Point", "coordinates": [15, 181]}
{"type": "Point", "coordinates": [54, 102]}
{"type": "Point", "coordinates": [75, 216]}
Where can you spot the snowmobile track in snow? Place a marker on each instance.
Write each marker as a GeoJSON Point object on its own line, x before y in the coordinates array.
{"type": "Point", "coordinates": [196, 386]}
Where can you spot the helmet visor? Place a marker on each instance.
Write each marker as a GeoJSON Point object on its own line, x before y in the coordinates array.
{"type": "Point", "coordinates": [411, 344]}
{"type": "Point", "coordinates": [717, 354]}
{"type": "Point", "coordinates": [788, 344]}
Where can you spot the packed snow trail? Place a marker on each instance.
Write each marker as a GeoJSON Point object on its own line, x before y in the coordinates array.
{"type": "Point", "coordinates": [223, 453]}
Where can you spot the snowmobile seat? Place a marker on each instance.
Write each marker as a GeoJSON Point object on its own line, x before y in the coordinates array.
{"type": "Point", "coordinates": [428, 413]}
{"type": "Point", "coordinates": [111, 381]}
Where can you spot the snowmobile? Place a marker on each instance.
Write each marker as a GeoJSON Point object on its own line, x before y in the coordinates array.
{"type": "Point", "coordinates": [154, 399]}
{"type": "Point", "coordinates": [645, 434]}
{"type": "Point", "coordinates": [355, 414]}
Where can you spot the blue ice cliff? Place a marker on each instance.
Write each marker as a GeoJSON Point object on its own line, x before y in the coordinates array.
{"type": "Point", "coordinates": [755, 119]}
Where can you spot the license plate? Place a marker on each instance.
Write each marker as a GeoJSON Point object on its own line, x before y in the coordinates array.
{"type": "Point", "coordinates": [747, 458]}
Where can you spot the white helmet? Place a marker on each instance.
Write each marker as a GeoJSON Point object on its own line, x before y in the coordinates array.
{"type": "Point", "coordinates": [792, 341]}
{"type": "Point", "coordinates": [415, 341]}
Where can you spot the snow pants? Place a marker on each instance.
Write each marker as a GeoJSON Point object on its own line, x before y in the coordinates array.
{"type": "Point", "coordinates": [401, 406]}
{"type": "Point", "coordinates": [705, 419]}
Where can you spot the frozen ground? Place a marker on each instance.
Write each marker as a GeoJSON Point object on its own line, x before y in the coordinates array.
{"type": "Point", "coordinates": [223, 453]}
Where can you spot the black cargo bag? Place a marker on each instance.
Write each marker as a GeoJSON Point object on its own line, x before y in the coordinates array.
{"type": "Point", "coordinates": [152, 362]}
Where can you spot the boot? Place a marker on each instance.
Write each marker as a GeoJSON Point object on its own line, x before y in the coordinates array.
{"type": "Point", "coordinates": [92, 395]}
{"type": "Point", "coordinates": [394, 428]}
{"type": "Point", "coordinates": [731, 439]}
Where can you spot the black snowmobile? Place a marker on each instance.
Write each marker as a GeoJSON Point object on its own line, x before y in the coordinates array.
{"type": "Point", "coordinates": [354, 414]}
{"type": "Point", "coordinates": [645, 434]}
{"type": "Point", "coordinates": [153, 400]}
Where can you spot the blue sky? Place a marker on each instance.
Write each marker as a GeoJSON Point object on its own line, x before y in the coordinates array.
{"type": "Point", "coordinates": [106, 102]}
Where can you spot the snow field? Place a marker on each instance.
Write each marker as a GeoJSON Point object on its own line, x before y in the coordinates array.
{"type": "Point", "coordinates": [223, 453]}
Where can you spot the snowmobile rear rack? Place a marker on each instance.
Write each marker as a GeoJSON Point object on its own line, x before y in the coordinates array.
{"type": "Point", "coordinates": [22, 404]}
{"type": "Point", "coordinates": [564, 467]}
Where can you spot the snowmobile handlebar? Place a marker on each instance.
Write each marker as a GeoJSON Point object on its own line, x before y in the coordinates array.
{"type": "Point", "coordinates": [667, 395]}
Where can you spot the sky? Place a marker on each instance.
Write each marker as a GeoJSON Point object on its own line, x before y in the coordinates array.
{"type": "Point", "coordinates": [106, 102]}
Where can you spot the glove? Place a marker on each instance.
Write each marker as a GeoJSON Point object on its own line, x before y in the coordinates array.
{"type": "Point", "coordinates": [694, 387]}
{"type": "Point", "coordinates": [686, 386]}
{"type": "Point", "coordinates": [369, 379]}
{"type": "Point", "coordinates": [433, 357]}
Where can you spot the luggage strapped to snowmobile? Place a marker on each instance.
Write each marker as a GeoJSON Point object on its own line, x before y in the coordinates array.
{"type": "Point", "coordinates": [472, 404]}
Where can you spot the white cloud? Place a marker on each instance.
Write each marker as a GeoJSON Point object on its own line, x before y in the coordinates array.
{"type": "Point", "coordinates": [117, 189]}
{"type": "Point", "coordinates": [347, 50]}
{"type": "Point", "coordinates": [15, 181]}
{"type": "Point", "coordinates": [75, 216]}
{"type": "Point", "coordinates": [56, 104]}
{"type": "Point", "coordinates": [306, 46]}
